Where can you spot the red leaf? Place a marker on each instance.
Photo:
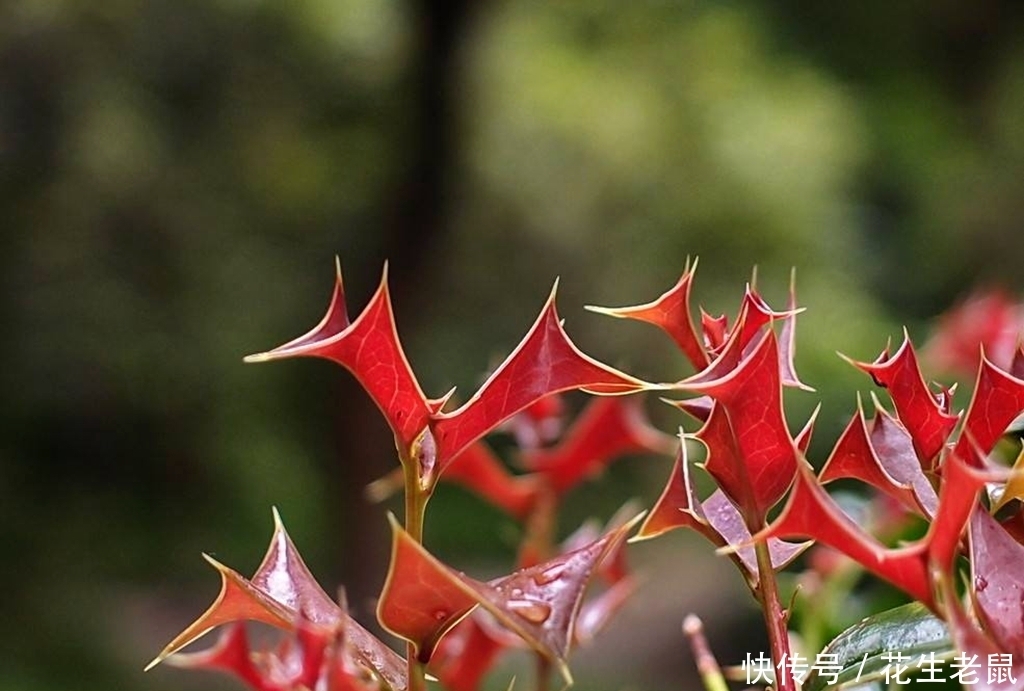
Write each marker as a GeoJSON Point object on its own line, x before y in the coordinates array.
{"type": "Point", "coordinates": [998, 399]}
{"type": "Point", "coordinates": [230, 654]}
{"type": "Point", "coordinates": [811, 513]}
{"type": "Point", "coordinates": [466, 654]}
{"type": "Point", "coordinates": [750, 452]}
{"type": "Point", "coordinates": [754, 315]}
{"type": "Point", "coordinates": [997, 562]}
{"type": "Point", "coordinates": [671, 313]}
{"type": "Point", "coordinates": [678, 506]}
{"type": "Point", "coordinates": [370, 349]}
{"type": "Point", "coordinates": [285, 576]}
{"type": "Point", "coordinates": [238, 600]}
{"type": "Point", "coordinates": [545, 362]}
{"type": "Point", "coordinates": [958, 495]}
{"type": "Point", "coordinates": [924, 417]}
{"type": "Point", "coordinates": [884, 458]}
{"type": "Point", "coordinates": [717, 519]}
{"type": "Point", "coordinates": [607, 428]}
{"type": "Point", "coordinates": [422, 598]}
{"type": "Point", "coordinates": [480, 470]}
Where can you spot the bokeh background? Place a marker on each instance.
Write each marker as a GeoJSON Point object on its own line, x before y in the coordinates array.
{"type": "Point", "coordinates": [176, 177]}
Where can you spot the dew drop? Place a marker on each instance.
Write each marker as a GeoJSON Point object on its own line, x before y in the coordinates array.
{"type": "Point", "coordinates": [980, 583]}
{"type": "Point", "coordinates": [440, 615]}
{"type": "Point", "coordinates": [531, 610]}
{"type": "Point", "coordinates": [548, 575]}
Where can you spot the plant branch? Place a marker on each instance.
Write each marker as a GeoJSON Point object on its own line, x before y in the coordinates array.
{"type": "Point", "coordinates": [774, 618]}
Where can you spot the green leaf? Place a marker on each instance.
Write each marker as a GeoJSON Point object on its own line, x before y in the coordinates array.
{"type": "Point", "coordinates": [910, 629]}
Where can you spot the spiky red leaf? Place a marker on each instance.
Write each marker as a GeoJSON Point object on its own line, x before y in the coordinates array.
{"type": "Point", "coordinates": [671, 313]}
{"type": "Point", "coordinates": [753, 316]}
{"type": "Point", "coordinates": [925, 417]}
{"type": "Point", "coordinates": [605, 430]}
{"type": "Point", "coordinates": [883, 457]}
{"type": "Point", "coordinates": [998, 399]}
{"type": "Point", "coordinates": [678, 506]}
{"type": "Point", "coordinates": [282, 574]}
{"type": "Point", "coordinates": [238, 600]}
{"type": "Point", "coordinates": [810, 513]}
{"type": "Point", "coordinates": [750, 451]}
{"type": "Point", "coordinates": [369, 348]}
{"type": "Point", "coordinates": [545, 362]}
{"type": "Point", "coordinates": [422, 598]}
{"type": "Point", "coordinates": [716, 518]}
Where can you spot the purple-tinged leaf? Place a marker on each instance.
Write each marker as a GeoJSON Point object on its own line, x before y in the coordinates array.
{"type": "Point", "coordinates": [855, 456]}
{"type": "Point", "coordinates": [726, 520]}
{"type": "Point", "coordinates": [976, 646]}
{"type": "Point", "coordinates": [716, 518]}
{"type": "Point", "coordinates": [997, 562]}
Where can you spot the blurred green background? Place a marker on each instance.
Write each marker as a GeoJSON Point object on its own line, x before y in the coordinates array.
{"type": "Point", "coordinates": [177, 175]}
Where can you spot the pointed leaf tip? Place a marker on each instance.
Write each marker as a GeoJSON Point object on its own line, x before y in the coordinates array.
{"type": "Point", "coordinates": [545, 362]}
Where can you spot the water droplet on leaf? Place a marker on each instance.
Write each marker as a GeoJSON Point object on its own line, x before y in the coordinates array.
{"type": "Point", "coordinates": [548, 575]}
{"type": "Point", "coordinates": [531, 610]}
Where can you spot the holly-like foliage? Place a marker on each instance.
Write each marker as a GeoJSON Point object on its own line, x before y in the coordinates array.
{"type": "Point", "coordinates": [769, 504]}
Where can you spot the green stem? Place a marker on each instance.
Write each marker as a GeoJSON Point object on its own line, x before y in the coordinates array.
{"type": "Point", "coordinates": [416, 499]}
{"type": "Point", "coordinates": [708, 667]}
{"type": "Point", "coordinates": [774, 618]}
{"type": "Point", "coordinates": [417, 670]}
